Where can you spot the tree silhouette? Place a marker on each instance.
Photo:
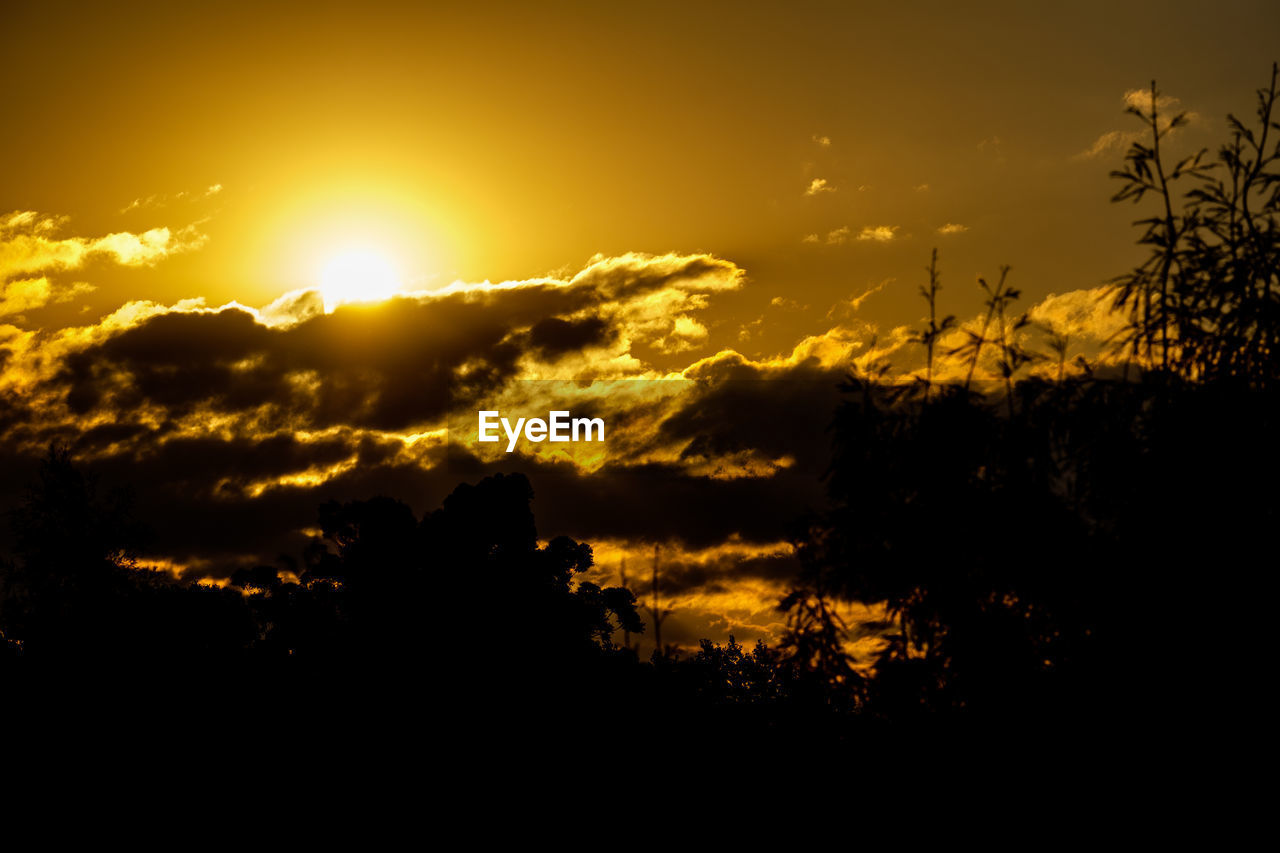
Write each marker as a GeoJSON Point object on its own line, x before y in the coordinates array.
{"type": "Point", "coordinates": [1203, 305]}
{"type": "Point", "coordinates": [75, 593]}
{"type": "Point", "coordinates": [929, 335]}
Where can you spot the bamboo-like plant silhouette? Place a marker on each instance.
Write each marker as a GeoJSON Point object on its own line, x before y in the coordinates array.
{"type": "Point", "coordinates": [659, 615]}
{"type": "Point", "coordinates": [815, 643]}
{"type": "Point", "coordinates": [1012, 355]}
{"type": "Point", "coordinates": [1059, 343]}
{"type": "Point", "coordinates": [1151, 292]}
{"type": "Point", "coordinates": [622, 582]}
{"type": "Point", "coordinates": [929, 335]}
{"type": "Point", "coordinates": [869, 377]}
{"type": "Point", "coordinates": [1231, 262]}
{"type": "Point", "coordinates": [1205, 304]}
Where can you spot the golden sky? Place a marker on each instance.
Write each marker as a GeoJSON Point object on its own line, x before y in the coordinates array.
{"type": "Point", "coordinates": [504, 141]}
{"type": "Point", "coordinates": [704, 190]}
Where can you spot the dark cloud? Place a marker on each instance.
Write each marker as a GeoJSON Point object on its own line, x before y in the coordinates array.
{"type": "Point", "coordinates": [389, 366]}
{"type": "Point", "coordinates": [13, 411]}
{"type": "Point", "coordinates": [656, 501]}
{"type": "Point", "coordinates": [721, 574]}
{"type": "Point", "coordinates": [198, 500]}
{"type": "Point", "coordinates": [785, 415]}
{"type": "Point", "coordinates": [205, 500]}
{"type": "Point", "coordinates": [232, 427]}
{"type": "Point", "coordinates": [637, 275]}
{"type": "Point", "coordinates": [553, 336]}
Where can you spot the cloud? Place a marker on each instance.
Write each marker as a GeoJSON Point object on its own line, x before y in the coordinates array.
{"type": "Point", "coordinates": [294, 307]}
{"type": "Point", "coordinates": [849, 308]}
{"type": "Point", "coordinates": [823, 141]}
{"type": "Point", "coordinates": [729, 588]}
{"type": "Point", "coordinates": [22, 295]}
{"type": "Point", "coordinates": [835, 237]}
{"type": "Point", "coordinates": [146, 248]}
{"type": "Point", "coordinates": [238, 419]}
{"type": "Point", "coordinates": [878, 233]}
{"type": "Point", "coordinates": [29, 222]}
{"type": "Point", "coordinates": [1084, 315]}
{"type": "Point", "coordinates": [993, 148]}
{"type": "Point", "coordinates": [686, 334]}
{"type": "Point", "coordinates": [1140, 100]}
{"type": "Point", "coordinates": [233, 423]}
{"type": "Point", "coordinates": [818, 186]}
{"type": "Point", "coordinates": [1112, 140]}
{"type": "Point", "coordinates": [28, 244]}
{"type": "Point", "coordinates": [389, 366]}
{"type": "Point", "coordinates": [35, 257]}
{"type": "Point", "coordinates": [162, 199]}
{"type": "Point", "coordinates": [553, 336]}
{"type": "Point", "coordinates": [953, 228]}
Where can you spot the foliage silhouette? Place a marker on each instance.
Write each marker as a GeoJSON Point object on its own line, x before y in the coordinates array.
{"type": "Point", "coordinates": [1203, 305]}
{"type": "Point", "coordinates": [74, 594]}
{"type": "Point", "coordinates": [929, 335]}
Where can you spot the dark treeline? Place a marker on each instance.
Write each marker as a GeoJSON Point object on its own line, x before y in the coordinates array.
{"type": "Point", "coordinates": [1072, 548]}
{"type": "Point", "coordinates": [461, 602]}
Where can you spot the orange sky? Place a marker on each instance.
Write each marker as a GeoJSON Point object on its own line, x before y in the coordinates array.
{"type": "Point", "coordinates": [504, 141]}
{"type": "Point", "coordinates": [715, 191]}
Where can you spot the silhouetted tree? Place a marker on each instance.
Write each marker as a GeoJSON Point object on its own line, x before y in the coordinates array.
{"type": "Point", "coordinates": [75, 592]}
{"type": "Point", "coordinates": [929, 335]}
{"type": "Point", "coordinates": [1203, 304]}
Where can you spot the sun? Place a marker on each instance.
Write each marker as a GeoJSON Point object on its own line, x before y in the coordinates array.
{"type": "Point", "coordinates": [358, 275]}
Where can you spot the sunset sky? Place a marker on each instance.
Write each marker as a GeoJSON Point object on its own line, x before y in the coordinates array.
{"type": "Point", "coordinates": [737, 198]}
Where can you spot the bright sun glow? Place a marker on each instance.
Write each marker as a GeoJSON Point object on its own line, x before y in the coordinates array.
{"type": "Point", "coordinates": [358, 275]}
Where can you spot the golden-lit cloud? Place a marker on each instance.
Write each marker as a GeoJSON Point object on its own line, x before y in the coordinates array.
{"type": "Point", "coordinates": [818, 186]}
{"type": "Point", "coordinates": [236, 370]}
{"type": "Point", "coordinates": [849, 309]}
{"type": "Point", "coordinates": [292, 308]}
{"type": "Point", "coordinates": [952, 228]}
{"type": "Point", "coordinates": [161, 200]}
{"type": "Point", "coordinates": [1113, 141]}
{"type": "Point", "coordinates": [233, 411]}
{"type": "Point", "coordinates": [27, 245]}
{"type": "Point", "coordinates": [878, 233]}
{"type": "Point", "coordinates": [245, 417]}
{"type": "Point", "coordinates": [21, 295]}
{"type": "Point", "coordinates": [835, 237]}
{"type": "Point", "coordinates": [1140, 99]}
{"type": "Point", "coordinates": [1084, 315]}
{"type": "Point", "coordinates": [731, 588]}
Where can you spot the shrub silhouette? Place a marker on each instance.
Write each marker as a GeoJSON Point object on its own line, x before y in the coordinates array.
{"type": "Point", "coordinates": [1204, 304]}
{"type": "Point", "coordinates": [1042, 560]}
{"type": "Point", "coordinates": [74, 595]}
